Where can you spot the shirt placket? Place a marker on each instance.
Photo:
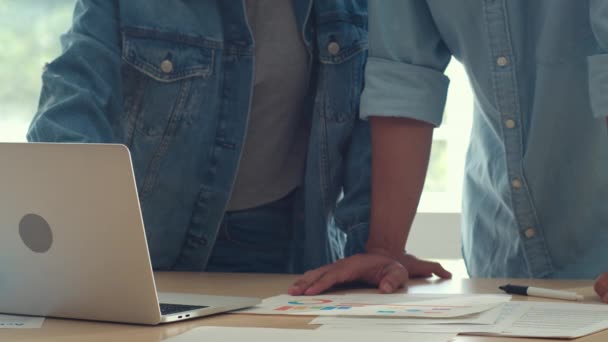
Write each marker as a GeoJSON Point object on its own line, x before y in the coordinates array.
{"type": "Point", "coordinates": [506, 92]}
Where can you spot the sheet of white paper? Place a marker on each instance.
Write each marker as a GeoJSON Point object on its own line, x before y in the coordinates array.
{"type": "Point", "coordinates": [448, 307]}
{"type": "Point", "coordinates": [419, 329]}
{"type": "Point", "coordinates": [379, 305]}
{"type": "Point", "coordinates": [556, 320]}
{"type": "Point", "coordinates": [223, 334]}
{"type": "Point", "coordinates": [20, 322]}
{"type": "Point", "coordinates": [485, 318]}
{"type": "Point", "coordinates": [499, 326]}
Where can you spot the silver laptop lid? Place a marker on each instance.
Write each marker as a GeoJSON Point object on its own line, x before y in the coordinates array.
{"type": "Point", "coordinates": [73, 242]}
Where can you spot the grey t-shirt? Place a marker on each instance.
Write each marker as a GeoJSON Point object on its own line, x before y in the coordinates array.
{"type": "Point", "coordinates": [274, 155]}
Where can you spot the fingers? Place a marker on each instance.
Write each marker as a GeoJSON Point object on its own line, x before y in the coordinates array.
{"type": "Point", "coordinates": [305, 282]}
{"type": "Point", "coordinates": [441, 272]}
{"type": "Point", "coordinates": [326, 281]}
{"type": "Point", "coordinates": [601, 287]}
{"type": "Point", "coordinates": [394, 276]}
{"type": "Point", "coordinates": [386, 273]}
{"type": "Point", "coordinates": [425, 269]}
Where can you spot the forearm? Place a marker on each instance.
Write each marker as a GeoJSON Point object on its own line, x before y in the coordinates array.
{"type": "Point", "coordinates": [400, 156]}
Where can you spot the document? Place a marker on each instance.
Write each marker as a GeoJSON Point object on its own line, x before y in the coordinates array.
{"type": "Point", "coordinates": [20, 322]}
{"type": "Point", "coordinates": [488, 317]}
{"type": "Point", "coordinates": [223, 334]}
{"type": "Point", "coordinates": [499, 314]}
{"type": "Point", "coordinates": [516, 319]}
{"type": "Point", "coordinates": [379, 305]}
{"type": "Point", "coordinates": [555, 320]}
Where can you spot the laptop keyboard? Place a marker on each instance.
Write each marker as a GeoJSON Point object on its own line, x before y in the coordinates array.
{"type": "Point", "coordinates": [168, 309]}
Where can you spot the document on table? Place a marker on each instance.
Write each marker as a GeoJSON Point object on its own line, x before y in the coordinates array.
{"type": "Point", "coordinates": [379, 305]}
{"type": "Point", "coordinates": [517, 319]}
{"type": "Point", "coordinates": [555, 320]}
{"type": "Point", "coordinates": [223, 334]}
{"type": "Point", "coordinates": [20, 322]}
{"type": "Point", "coordinates": [498, 315]}
{"type": "Point", "coordinates": [488, 317]}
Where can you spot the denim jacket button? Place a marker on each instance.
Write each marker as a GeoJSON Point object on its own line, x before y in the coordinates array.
{"type": "Point", "coordinates": [530, 233]}
{"type": "Point", "coordinates": [510, 124]}
{"type": "Point", "coordinates": [516, 183]}
{"type": "Point", "coordinates": [502, 61]}
{"type": "Point", "coordinates": [166, 66]}
{"type": "Point", "coordinates": [333, 48]}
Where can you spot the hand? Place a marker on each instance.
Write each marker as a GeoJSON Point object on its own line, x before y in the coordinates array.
{"type": "Point", "coordinates": [372, 268]}
{"type": "Point", "coordinates": [601, 287]}
{"type": "Point", "coordinates": [423, 269]}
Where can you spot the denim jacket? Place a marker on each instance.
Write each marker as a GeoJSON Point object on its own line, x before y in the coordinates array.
{"type": "Point", "coordinates": [173, 80]}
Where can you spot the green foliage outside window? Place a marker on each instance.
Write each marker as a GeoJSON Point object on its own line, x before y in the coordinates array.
{"type": "Point", "coordinates": [29, 38]}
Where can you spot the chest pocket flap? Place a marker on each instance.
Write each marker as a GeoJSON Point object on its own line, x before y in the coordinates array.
{"type": "Point", "coordinates": [168, 57]}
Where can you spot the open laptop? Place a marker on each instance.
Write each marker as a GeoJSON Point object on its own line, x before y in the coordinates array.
{"type": "Point", "coordinates": [72, 240]}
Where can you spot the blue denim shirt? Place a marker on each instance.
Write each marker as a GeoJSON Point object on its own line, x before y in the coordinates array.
{"type": "Point", "coordinates": [173, 81]}
{"type": "Point", "coordinates": [536, 187]}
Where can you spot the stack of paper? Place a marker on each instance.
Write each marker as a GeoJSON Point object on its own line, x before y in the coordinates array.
{"type": "Point", "coordinates": [521, 319]}
{"type": "Point", "coordinates": [374, 305]}
{"type": "Point", "coordinates": [455, 314]}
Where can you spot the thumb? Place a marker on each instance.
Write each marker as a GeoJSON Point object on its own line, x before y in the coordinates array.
{"type": "Point", "coordinates": [393, 278]}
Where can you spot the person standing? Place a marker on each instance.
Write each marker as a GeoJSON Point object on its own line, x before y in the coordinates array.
{"type": "Point", "coordinates": [242, 121]}
{"type": "Point", "coordinates": [536, 178]}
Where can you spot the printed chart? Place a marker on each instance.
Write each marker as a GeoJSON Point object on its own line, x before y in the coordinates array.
{"type": "Point", "coordinates": [379, 305]}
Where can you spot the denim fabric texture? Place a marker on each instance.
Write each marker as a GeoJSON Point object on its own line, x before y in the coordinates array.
{"type": "Point", "coordinates": [172, 80]}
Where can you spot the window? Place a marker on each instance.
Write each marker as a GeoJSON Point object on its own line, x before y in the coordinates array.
{"type": "Point", "coordinates": [440, 205]}
{"type": "Point", "coordinates": [443, 188]}
{"type": "Point", "coordinates": [30, 37]}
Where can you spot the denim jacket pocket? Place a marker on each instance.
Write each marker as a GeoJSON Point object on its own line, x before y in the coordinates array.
{"type": "Point", "coordinates": [166, 82]}
{"type": "Point", "coordinates": [342, 51]}
{"type": "Point", "coordinates": [160, 73]}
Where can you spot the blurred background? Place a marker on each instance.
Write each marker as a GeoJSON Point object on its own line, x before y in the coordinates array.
{"type": "Point", "coordinates": [29, 37]}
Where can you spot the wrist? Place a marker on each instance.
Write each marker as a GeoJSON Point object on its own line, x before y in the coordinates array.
{"type": "Point", "coordinates": [393, 253]}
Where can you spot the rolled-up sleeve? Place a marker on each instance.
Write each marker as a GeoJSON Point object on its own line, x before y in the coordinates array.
{"type": "Point", "coordinates": [598, 64]}
{"type": "Point", "coordinates": [404, 76]}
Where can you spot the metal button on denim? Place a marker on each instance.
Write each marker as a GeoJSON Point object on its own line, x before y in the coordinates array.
{"type": "Point", "coordinates": [530, 233]}
{"type": "Point", "coordinates": [516, 183]}
{"type": "Point", "coordinates": [502, 61]}
{"type": "Point", "coordinates": [510, 123]}
{"type": "Point", "coordinates": [166, 66]}
{"type": "Point", "coordinates": [333, 48]}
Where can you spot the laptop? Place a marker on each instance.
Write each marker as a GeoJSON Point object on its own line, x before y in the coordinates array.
{"type": "Point", "coordinates": [72, 241]}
